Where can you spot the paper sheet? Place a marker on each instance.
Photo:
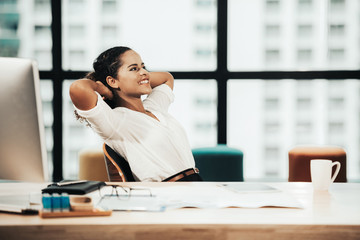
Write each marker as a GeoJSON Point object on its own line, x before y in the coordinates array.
{"type": "Point", "coordinates": [221, 197]}
{"type": "Point", "coordinates": [214, 196]}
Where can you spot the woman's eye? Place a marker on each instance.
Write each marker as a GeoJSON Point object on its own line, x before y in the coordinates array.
{"type": "Point", "coordinates": [133, 69]}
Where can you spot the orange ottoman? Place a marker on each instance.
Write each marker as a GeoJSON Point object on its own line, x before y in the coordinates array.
{"type": "Point", "coordinates": [299, 161]}
{"type": "Point", "coordinates": [92, 165]}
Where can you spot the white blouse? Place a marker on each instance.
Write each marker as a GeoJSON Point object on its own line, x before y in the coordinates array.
{"type": "Point", "coordinates": [154, 149]}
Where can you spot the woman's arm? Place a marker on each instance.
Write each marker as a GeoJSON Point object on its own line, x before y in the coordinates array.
{"type": "Point", "coordinates": [158, 78]}
{"type": "Point", "coordinates": [83, 96]}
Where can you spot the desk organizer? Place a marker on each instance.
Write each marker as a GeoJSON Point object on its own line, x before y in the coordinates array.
{"type": "Point", "coordinates": [80, 206]}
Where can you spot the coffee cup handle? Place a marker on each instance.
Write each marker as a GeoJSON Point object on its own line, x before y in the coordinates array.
{"type": "Point", "coordinates": [338, 165]}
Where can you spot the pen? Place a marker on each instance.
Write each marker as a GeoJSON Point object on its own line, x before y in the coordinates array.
{"type": "Point", "coordinates": [70, 182]}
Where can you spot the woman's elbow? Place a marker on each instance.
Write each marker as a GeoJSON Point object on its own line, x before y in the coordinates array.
{"type": "Point", "coordinates": [75, 91]}
{"type": "Point", "coordinates": [82, 97]}
{"type": "Point", "coordinates": [170, 80]}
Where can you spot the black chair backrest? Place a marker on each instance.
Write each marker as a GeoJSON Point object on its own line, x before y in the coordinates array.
{"type": "Point", "coordinates": [117, 167]}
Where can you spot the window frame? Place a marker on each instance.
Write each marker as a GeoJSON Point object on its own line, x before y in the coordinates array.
{"type": "Point", "coordinates": [57, 75]}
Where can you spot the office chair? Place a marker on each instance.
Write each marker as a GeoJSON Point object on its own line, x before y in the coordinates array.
{"type": "Point", "coordinates": [219, 163]}
{"type": "Point", "coordinates": [117, 167]}
{"type": "Point", "coordinates": [300, 156]}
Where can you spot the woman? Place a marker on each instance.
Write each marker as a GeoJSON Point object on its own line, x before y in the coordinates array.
{"type": "Point", "coordinates": [109, 99]}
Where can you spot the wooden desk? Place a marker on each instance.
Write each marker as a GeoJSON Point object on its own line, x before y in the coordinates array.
{"type": "Point", "coordinates": [331, 215]}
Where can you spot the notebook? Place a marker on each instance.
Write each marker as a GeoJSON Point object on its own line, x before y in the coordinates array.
{"type": "Point", "coordinates": [24, 204]}
{"type": "Point", "coordinates": [74, 187]}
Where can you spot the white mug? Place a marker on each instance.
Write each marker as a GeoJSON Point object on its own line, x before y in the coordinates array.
{"type": "Point", "coordinates": [321, 170]}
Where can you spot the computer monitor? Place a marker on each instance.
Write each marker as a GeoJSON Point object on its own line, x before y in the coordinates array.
{"type": "Point", "coordinates": [23, 153]}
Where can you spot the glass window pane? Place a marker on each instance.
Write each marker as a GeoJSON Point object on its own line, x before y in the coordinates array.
{"type": "Point", "coordinates": [109, 6]}
{"type": "Point", "coordinates": [25, 30]}
{"type": "Point", "coordinates": [77, 136]}
{"type": "Point", "coordinates": [163, 36]}
{"type": "Point", "coordinates": [194, 107]}
{"type": "Point", "coordinates": [267, 118]}
{"type": "Point", "coordinates": [293, 35]}
{"type": "Point", "coordinates": [46, 90]}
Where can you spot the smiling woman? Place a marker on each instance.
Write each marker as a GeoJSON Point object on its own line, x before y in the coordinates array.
{"type": "Point", "coordinates": [142, 131]}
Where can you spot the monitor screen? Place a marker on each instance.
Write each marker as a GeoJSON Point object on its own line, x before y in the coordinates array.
{"type": "Point", "coordinates": [23, 154]}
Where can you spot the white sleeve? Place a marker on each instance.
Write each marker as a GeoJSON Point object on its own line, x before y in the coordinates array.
{"type": "Point", "coordinates": [102, 118]}
{"type": "Point", "coordinates": [160, 98]}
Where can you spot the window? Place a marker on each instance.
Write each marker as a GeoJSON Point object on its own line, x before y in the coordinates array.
{"type": "Point", "coordinates": [336, 54]}
{"type": "Point", "coordinates": [304, 55]}
{"type": "Point", "coordinates": [23, 33]}
{"type": "Point", "coordinates": [272, 127]}
{"type": "Point", "coordinates": [204, 102]}
{"type": "Point", "coordinates": [76, 7]}
{"type": "Point", "coordinates": [272, 152]}
{"type": "Point", "coordinates": [9, 47]}
{"type": "Point", "coordinates": [336, 103]}
{"type": "Point", "coordinates": [195, 108]}
{"type": "Point", "coordinates": [336, 127]}
{"type": "Point", "coordinates": [41, 5]}
{"type": "Point", "coordinates": [204, 3]}
{"type": "Point", "coordinates": [109, 31]}
{"type": "Point", "coordinates": [272, 5]}
{"type": "Point", "coordinates": [203, 28]}
{"type": "Point", "coordinates": [42, 31]}
{"type": "Point", "coordinates": [305, 5]}
{"type": "Point", "coordinates": [47, 96]}
{"type": "Point", "coordinates": [271, 103]}
{"type": "Point", "coordinates": [272, 56]}
{"type": "Point", "coordinates": [264, 35]}
{"type": "Point", "coordinates": [9, 24]}
{"type": "Point", "coordinates": [337, 5]}
{"type": "Point", "coordinates": [77, 31]}
{"type": "Point", "coordinates": [173, 51]}
{"type": "Point", "coordinates": [74, 134]}
{"type": "Point", "coordinates": [305, 31]}
{"type": "Point", "coordinates": [337, 30]}
{"type": "Point", "coordinates": [43, 58]}
{"type": "Point", "coordinates": [109, 6]}
{"type": "Point", "coordinates": [306, 112]}
{"type": "Point", "coordinates": [272, 30]}
{"type": "Point", "coordinates": [9, 20]}
{"type": "Point", "coordinates": [203, 52]}
{"type": "Point", "coordinates": [76, 57]}
{"type": "Point", "coordinates": [262, 95]}
{"type": "Point", "coordinates": [303, 127]}
{"type": "Point", "coordinates": [303, 103]}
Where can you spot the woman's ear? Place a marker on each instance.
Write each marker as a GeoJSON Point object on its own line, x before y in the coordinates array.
{"type": "Point", "coordinates": [112, 82]}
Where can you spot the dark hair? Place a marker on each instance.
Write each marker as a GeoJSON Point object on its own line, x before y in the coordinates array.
{"type": "Point", "coordinates": [107, 64]}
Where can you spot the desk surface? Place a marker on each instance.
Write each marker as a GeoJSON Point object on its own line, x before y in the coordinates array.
{"type": "Point", "coordinates": [326, 215]}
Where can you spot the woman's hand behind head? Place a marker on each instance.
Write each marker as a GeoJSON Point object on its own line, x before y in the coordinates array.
{"type": "Point", "coordinates": [104, 91]}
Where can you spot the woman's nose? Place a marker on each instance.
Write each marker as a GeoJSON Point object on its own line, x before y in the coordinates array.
{"type": "Point", "coordinates": [144, 71]}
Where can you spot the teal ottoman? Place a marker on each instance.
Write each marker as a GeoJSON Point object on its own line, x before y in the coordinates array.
{"type": "Point", "coordinates": [219, 163]}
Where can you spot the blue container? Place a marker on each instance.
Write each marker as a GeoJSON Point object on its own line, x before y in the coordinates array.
{"type": "Point", "coordinates": [47, 202]}
{"type": "Point", "coordinates": [65, 202]}
{"type": "Point", "coordinates": [56, 202]}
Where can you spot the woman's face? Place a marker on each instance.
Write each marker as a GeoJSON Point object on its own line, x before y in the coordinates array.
{"type": "Point", "coordinates": [132, 76]}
